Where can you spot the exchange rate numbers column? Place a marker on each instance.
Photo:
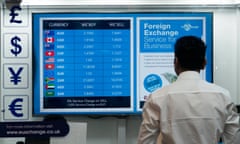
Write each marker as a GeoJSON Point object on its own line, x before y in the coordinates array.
{"type": "Point", "coordinates": [117, 56]}
{"type": "Point", "coordinates": [89, 59]}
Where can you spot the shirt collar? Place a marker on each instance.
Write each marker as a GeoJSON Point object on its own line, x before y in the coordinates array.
{"type": "Point", "coordinates": [189, 75]}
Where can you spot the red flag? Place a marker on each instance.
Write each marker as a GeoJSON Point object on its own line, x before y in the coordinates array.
{"type": "Point", "coordinates": [49, 66]}
{"type": "Point", "coordinates": [49, 53]}
{"type": "Point", "coordinates": [49, 39]}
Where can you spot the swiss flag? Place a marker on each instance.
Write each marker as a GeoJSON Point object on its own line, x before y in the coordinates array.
{"type": "Point", "coordinates": [49, 53]}
{"type": "Point", "coordinates": [49, 66]}
{"type": "Point", "coordinates": [49, 39]}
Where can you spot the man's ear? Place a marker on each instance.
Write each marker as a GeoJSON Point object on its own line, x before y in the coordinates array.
{"type": "Point", "coordinates": [175, 60]}
{"type": "Point", "coordinates": [204, 63]}
{"type": "Point", "coordinates": [177, 67]}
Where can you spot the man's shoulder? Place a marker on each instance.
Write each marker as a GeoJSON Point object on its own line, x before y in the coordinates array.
{"type": "Point", "coordinates": [215, 87]}
{"type": "Point", "coordinates": [204, 86]}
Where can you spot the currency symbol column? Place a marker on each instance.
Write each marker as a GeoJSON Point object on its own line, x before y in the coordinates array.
{"type": "Point", "coordinates": [15, 63]}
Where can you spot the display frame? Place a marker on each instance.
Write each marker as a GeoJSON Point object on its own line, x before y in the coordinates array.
{"type": "Point", "coordinates": [137, 101]}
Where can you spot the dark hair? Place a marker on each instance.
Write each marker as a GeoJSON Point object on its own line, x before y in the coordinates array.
{"type": "Point", "coordinates": [190, 51]}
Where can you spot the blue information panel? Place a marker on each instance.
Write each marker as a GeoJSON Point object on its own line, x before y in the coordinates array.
{"type": "Point", "coordinates": [108, 63]}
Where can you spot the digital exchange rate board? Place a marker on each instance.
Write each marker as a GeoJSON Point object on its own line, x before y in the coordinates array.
{"type": "Point", "coordinates": [90, 64]}
{"type": "Point", "coordinates": [85, 63]}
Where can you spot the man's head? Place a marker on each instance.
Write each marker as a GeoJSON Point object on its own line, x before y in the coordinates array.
{"type": "Point", "coordinates": [189, 54]}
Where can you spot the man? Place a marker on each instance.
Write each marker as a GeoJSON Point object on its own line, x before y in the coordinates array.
{"type": "Point", "coordinates": [190, 110]}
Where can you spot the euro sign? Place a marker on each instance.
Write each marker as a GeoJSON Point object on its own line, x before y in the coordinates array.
{"type": "Point", "coordinates": [17, 48]}
{"type": "Point", "coordinates": [13, 14]}
{"type": "Point", "coordinates": [15, 108]}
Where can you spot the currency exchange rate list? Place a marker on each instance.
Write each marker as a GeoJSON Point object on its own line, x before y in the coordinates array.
{"type": "Point", "coordinates": [87, 59]}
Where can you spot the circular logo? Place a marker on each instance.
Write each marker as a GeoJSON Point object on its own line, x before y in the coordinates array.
{"type": "Point", "coordinates": [152, 82]}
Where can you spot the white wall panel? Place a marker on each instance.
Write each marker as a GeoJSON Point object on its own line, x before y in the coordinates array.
{"type": "Point", "coordinates": [225, 50]}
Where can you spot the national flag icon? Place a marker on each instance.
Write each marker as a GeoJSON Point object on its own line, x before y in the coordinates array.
{"type": "Point", "coordinates": [49, 39]}
{"type": "Point", "coordinates": [49, 53]}
{"type": "Point", "coordinates": [49, 60]}
{"type": "Point", "coordinates": [50, 86]}
{"type": "Point", "coordinates": [49, 66]}
{"type": "Point", "coordinates": [49, 79]}
{"type": "Point", "coordinates": [49, 93]}
{"type": "Point", "coordinates": [49, 46]}
{"type": "Point", "coordinates": [49, 33]}
{"type": "Point", "coordinates": [49, 73]}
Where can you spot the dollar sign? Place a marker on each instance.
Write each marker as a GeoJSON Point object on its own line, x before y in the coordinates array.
{"type": "Point", "coordinates": [17, 48]}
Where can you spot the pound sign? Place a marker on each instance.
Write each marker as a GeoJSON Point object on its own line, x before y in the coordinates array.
{"type": "Point", "coordinates": [17, 48]}
{"type": "Point", "coordinates": [13, 14]}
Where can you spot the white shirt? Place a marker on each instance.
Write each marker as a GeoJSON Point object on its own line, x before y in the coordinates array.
{"type": "Point", "coordinates": [189, 111]}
